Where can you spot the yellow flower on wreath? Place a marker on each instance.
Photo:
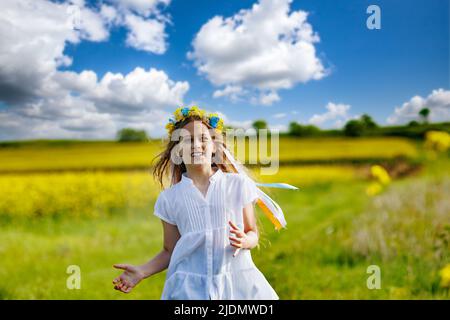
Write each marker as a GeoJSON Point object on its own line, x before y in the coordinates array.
{"type": "Point", "coordinates": [182, 113]}
{"type": "Point", "coordinates": [170, 126]}
{"type": "Point", "coordinates": [178, 114]}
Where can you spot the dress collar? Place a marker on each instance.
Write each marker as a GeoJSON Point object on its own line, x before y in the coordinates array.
{"type": "Point", "coordinates": [214, 177]}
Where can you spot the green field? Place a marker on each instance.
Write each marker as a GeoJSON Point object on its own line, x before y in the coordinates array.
{"type": "Point", "coordinates": [335, 230]}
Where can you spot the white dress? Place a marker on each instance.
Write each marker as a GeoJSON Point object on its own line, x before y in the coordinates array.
{"type": "Point", "coordinates": [202, 266]}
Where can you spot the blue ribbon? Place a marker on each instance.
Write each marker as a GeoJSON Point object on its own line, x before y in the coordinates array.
{"type": "Point", "coordinates": [277, 185]}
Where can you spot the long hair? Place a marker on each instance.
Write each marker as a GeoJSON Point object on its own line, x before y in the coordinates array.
{"type": "Point", "coordinates": [165, 167]}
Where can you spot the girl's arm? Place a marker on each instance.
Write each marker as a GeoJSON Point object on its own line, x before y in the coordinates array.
{"type": "Point", "coordinates": [249, 237]}
{"type": "Point", "coordinates": [132, 275]}
{"type": "Point", "coordinates": [250, 228]}
{"type": "Point", "coordinates": [161, 261]}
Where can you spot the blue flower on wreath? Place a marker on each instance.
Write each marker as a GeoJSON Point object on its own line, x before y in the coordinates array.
{"type": "Point", "coordinates": [185, 111]}
{"type": "Point", "coordinates": [213, 121]}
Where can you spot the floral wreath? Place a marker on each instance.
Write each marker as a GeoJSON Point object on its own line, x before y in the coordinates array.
{"type": "Point", "coordinates": [182, 113]}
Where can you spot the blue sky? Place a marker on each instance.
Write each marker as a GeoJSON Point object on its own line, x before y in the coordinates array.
{"type": "Point", "coordinates": [369, 71]}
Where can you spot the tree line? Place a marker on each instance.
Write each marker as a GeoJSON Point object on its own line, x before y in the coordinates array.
{"type": "Point", "coordinates": [363, 126]}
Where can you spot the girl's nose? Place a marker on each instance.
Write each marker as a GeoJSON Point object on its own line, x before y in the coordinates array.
{"type": "Point", "coordinates": [198, 145]}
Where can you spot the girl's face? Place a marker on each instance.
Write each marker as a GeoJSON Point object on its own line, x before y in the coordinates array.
{"type": "Point", "coordinates": [197, 145]}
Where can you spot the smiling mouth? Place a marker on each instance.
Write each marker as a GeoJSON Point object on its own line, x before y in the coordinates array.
{"type": "Point", "coordinates": [197, 154]}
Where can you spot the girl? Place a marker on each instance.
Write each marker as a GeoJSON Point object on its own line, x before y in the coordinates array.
{"type": "Point", "coordinates": [207, 216]}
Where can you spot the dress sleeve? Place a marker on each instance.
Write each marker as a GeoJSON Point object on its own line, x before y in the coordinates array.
{"type": "Point", "coordinates": [163, 210]}
{"type": "Point", "coordinates": [249, 191]}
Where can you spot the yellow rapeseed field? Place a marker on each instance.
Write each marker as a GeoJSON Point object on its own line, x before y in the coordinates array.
{"type": "Point", "coordinates": [94, 194]}
{"type": "Point", "coordinates": [112, 155]}
{"type": "Point", "coordinates": [345, 148]}
{"type": "Point", "coordinates": [87, 194]}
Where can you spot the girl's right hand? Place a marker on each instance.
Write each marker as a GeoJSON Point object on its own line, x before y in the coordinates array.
{"type": "Point", "coordinates": [128, 279]}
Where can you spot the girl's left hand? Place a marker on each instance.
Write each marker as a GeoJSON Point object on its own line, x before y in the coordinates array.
{"type": "Point", "coordinates": [240, 241]}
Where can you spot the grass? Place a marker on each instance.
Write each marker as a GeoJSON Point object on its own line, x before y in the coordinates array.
{"type": "Point", "coordinates": [38, 253]}
{"type": "Point", "coordinates": [334, 233]}
{"type": "Point", "coordinates": [324, 220]}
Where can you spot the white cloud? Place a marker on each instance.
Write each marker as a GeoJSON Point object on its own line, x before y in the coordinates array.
{"type": "Point", "coordinates": [142, 7]}
{"type": "Point", "coordinates": [74, 117]}
{"type": "Point", "coordinates": [267, 48]}
{"type": "Point", "coordinates": [266, 99]}
{"type": "Point", "coordinates": [233, 92]}
{"type": "Point", "coordinates": [108, 13]}
{"type": "Point", "coordinates": [146, 34]}
{"type": "Point", "coordinates": [65, 118]}
{"type": "Point", "coordinates": [438, 101]}
{"type": "Point", "coordinates": [144, 21]}
{"type": "Point", "coordinates": [91, 25]}
{"type": "Point", "coordinates": [133, 92]}
{"type": "Point", "coordinates": [43, 101]}
{"type": "Point", "coordinates": [335, 116]}
{"type": "Point", "coordinates": [32, 40]}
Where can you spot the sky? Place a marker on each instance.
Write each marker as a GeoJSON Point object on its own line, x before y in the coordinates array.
{"type": "Point", "coordinates": [85, 69]}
